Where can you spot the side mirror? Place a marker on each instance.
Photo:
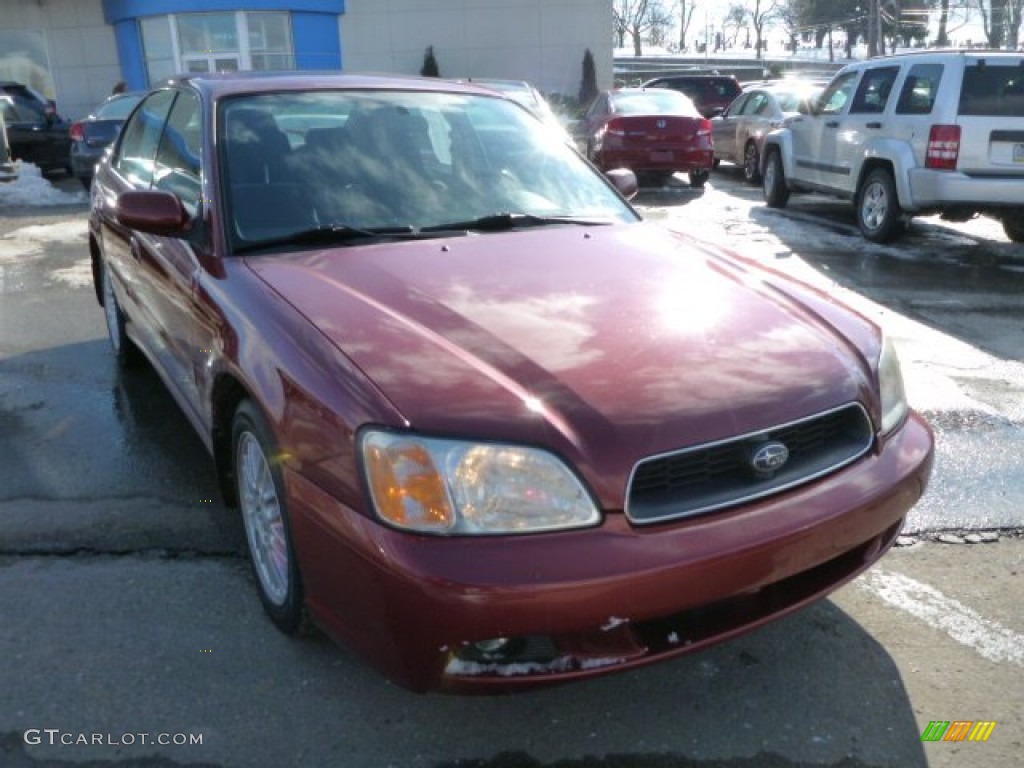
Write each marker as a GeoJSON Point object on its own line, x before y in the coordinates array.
{"type": "Point", "coordinates": [715, 112]}
{"type": "Point", "coordinates": [624, 180]}
{"type": "Point", "coordinates": [154, 212]}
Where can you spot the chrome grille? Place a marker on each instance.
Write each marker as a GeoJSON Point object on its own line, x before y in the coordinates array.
{"type": "Point", "coordinates": [720, 474]}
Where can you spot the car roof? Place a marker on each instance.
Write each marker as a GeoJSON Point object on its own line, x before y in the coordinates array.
{"type": "Point", "coordinates": [223, 84]}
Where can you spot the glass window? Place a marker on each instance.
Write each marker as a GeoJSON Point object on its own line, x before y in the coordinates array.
{"type": "Point", "coordinates": [366, 159]}
{"type": "Point", "coordinates": [837, 94]}
{"type": "Point", "coordinates": [874, 90]}
{"type": "Point", "coordinates": [992, 90]}
{"type": "Point", "coordinates": [178, 158]}
{"type": "Point", "coordinates": [270, 41]}
{"type": "Point", "coordinates": [158, 48]}
{"type": "Point", "coordinates": [207, 33]}
{"type": "Point", "coordinates": [140, 137]}
{"type": "Point", "coordinates": [917, 97]}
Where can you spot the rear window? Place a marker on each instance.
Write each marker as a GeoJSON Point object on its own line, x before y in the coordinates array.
{"type": "Point", "coordinates": [654, 102]}
{"type": "Point", "coordinates": [992, 90]}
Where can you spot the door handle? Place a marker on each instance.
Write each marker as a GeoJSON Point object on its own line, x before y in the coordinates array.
{"type": "Point", "coordinates": [873, 125]}
{"type": "Point", "coordinates": [832, 124]}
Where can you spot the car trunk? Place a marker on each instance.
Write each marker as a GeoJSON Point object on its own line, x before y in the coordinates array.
{"type": "Point", "coordinates": [991, 120]}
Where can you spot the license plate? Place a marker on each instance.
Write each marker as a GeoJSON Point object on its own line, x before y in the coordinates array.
{"type": "Point", "coordinates": [1018, 153]}
{"type": "Point", "coordinates": [661, 157]}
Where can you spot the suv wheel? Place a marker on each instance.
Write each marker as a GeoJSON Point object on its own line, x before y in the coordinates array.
{"type": "Point", "coordinates": [751, 163]}
{"type": "Point", "coordinates": [776, 193]}
{"type": "Point", "coordinates": [878, 210]}
{"type": "Point", "coordinates": [1014, 226]}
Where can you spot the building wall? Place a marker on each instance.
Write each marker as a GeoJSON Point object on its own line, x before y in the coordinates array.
{"type": "Point", "coordinates": [80, 46]}
{"type": "Point", "coordinates": [542, 41]}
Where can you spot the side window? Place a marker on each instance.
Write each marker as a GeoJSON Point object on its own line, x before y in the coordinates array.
{"type": "Point", "coordinates": [917, 96]}
{"type": "Point", "coordinates": [139, 140]}
{"type": "Point", "coordinates": [874, 90]}
{"type": "Point", "coordinates": [756, 105]}
{"type": "Point", "coordinates": [737, 107]}
{"type": "Point", "coordinates": [177, 166]}
{"type": "Point", "coordinates": [835, 97]}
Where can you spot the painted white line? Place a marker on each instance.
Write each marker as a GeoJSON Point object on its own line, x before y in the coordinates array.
{"type": "Point", "coordinates": [989, 638]}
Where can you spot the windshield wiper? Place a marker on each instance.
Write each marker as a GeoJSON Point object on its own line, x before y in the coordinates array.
{"type": "Point", "coordinates": [333, 234]}
{"type": "Point", "coordinates": [496, 222]}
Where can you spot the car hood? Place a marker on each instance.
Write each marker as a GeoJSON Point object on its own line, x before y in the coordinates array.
{"type": "Point", "coordinates": [603, 342]}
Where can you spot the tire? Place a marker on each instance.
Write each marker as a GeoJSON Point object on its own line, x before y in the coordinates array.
{"type": "Point", "coordinates": [751, 164]}
{"type": "Point", "coordinates": [260, 489]}
{"type": "Point", "coordinates": [776, 193]}
{"type": "Point", "coordinates": [699, 178]}
{"type": "Point", "coordinates": [1013, 226]}
{"type": "Point", "coordinates": [716, 162]}
{"type": "Point", "coordinates": [125, 351]}
{"type": "Point", "coordinates": [878, 210]}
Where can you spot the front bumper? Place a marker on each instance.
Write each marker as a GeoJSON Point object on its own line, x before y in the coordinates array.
{"type": "Point", "coordinates": [603, 599]}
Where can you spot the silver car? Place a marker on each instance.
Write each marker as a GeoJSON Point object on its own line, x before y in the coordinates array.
{"type": "Point", "coordinates": [739, 131]}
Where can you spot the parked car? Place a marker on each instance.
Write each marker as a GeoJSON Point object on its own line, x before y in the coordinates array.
{"type": "Point", "coordinates": [653, 132]}
{"type": "Point", "coordinates": [739, 132]}
{"type": "Point", "coordinates": [7, 169]}
{"type": "Point", "coordinates": [482, 422]}
{"type": "Point", "coordinates": [91, 136]}
{"type": "Point", "coordinates": [911, 134]}
{"type": "Point", "coordinates": [35, 132]}
{"type": "Point", "coordinates": [710, 93]}
{"type": "Point", "coordinates": [527, 95]}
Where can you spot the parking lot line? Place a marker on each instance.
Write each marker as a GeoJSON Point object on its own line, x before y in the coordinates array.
{"type": "Point", "coordinates": [989, 638]}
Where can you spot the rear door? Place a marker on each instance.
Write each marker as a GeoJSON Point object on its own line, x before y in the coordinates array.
{"type": "Point", "coordinates": [991, 118]}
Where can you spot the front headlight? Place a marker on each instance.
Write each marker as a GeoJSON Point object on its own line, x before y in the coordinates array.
{"type": "Point", "coordinates": [890, 385]}
{"type": "Point", "coordinates": [456, 487]}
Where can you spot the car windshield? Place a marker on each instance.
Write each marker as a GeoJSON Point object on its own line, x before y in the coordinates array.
{"type": "Point", "coordinates": [117, 109]}
{"type": "Point", "coordinates": [395, 164]}
{"type": "Point", "coordinates": [653, 102]}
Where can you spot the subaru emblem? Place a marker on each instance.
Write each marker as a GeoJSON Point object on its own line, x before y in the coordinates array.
{"type": "Point", "coordinates": [769, 457]}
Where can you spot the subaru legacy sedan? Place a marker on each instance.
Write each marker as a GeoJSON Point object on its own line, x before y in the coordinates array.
{"type": "Point", "coordinates": [481, 422]}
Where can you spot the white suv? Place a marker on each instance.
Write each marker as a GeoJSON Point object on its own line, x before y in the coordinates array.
{"type": "Point", "coordinates": [919, 133]}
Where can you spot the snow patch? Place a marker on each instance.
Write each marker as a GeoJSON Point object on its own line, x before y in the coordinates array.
{"type": "Point", "coordinates": [30, 188]}
{"type": "Point", "coordinates": [59, 232]}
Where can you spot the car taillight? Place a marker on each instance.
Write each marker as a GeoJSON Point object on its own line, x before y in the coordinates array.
{"type": "Point", "coordinates": [77, 132]}
{"type": "Point", "coordinates": [704, 128]}
{"type": "Point", "coordinates": [943, 147]}
{"type": "Point", "coordinates": [615, 128]}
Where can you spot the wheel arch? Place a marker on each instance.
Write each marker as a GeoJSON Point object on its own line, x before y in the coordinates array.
{"type": "Point", "coordinates": [778, 141]}
{"type": "Point", "coordinates": [227, 393]}
{"type": "Point", "coordinates": [95, 266]}
{"type": "Point", "coordinates": [896, 157]}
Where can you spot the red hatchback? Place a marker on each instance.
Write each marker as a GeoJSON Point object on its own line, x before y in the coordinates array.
{"type": "Point", "coordinates": [481, 422]}
{"type": "Point", "coordinates": [655, 133]}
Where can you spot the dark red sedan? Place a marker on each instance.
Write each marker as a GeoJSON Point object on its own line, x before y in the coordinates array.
{"type": "Point", "coordinates": [482, 423]}
{"type": "Point", "coordinates": [654, 132]}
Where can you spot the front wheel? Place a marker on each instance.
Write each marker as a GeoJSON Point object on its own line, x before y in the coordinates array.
{"type": "Point", "coordinates": [776, 193]}
{"type": "Point", "coordinates": [878, 210]}
{"type": "Point", "coordinates": [1013, 225]}
{"type": "Point", "coordinates": [260, 488]}
{"type": "Point", "coordinates": [125, 351]}
{"type": "Point", "coordinates": [751, 163]}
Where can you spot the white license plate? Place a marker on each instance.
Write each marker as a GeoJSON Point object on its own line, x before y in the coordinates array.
{"type": "Point", "coordinates": [1018, 153]}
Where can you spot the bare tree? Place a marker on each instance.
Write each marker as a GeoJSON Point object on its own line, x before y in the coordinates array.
{"type": "Point", "coordinates": [686, 9]}
{"type": "Point", "coordinates": [636, 18]}
{"type": "Point", "coordinates": [735, 19]}
{"type": "Point", "coordinates": [763, 12]}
